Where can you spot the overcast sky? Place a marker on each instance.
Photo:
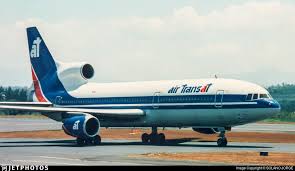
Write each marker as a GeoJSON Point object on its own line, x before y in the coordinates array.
{"type": "Point", "coordinates": [139, 40]}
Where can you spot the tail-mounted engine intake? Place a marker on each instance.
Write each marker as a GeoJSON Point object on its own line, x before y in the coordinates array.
{"type": "Point", "coordinates": [81, 126]}
{"type": "Point", "coordinates": [73, 75]}
{"type": "Point", "coordinates": [87, 71]}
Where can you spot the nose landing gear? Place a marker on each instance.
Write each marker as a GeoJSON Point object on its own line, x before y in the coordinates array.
{"type": "Point", "coordinates": [222, 141]}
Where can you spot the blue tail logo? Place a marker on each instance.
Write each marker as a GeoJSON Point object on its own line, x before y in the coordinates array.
{"type": "Point", "coordinates": [35, 51]}
{"type": "Point", "coordinates": [44, 69]}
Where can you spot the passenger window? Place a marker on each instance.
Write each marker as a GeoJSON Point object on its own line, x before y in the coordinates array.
{"type": "Point", "coordinates": [249, 97]}
{"type": "Point", "coordinates": [255, 96]}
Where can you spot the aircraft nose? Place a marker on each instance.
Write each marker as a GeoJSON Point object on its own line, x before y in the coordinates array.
{"type": "Point", "coordinates": [270, 103]}
{"type": "Point", "coordinates": [274, 104]}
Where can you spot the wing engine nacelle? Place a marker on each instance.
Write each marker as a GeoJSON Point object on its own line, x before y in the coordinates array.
{"type": "Point", "coordinates": [73, 75]}
{"type": "Point", "coordinates": [81, 126]}
{"type": "Point", "coordinates": [206, 130]}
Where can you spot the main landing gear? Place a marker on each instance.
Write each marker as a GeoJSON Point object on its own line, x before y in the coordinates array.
{"type": "Point", "coordinates": [222, 141]}
{"type": "Point", "coordinates": [96, 140]}
{"type": "Point", "coordinates": [153, 138]}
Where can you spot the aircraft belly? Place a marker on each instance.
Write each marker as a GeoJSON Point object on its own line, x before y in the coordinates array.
{"type": "Point", "coordinates": [193, 117]}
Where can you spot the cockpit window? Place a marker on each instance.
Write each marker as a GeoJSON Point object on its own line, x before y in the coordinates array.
{"type": "Point", "coordinates": [255, 96]}
{"type": "Point", "coordinates": [263, 96]}
{"type": "Point", "coordinates": [249, 97]}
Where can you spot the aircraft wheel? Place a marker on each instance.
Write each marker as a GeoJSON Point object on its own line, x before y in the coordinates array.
{"type": "Point", "coordinates": [97, 140]}
{"type": "Point", "coordinates": [222, 142]}
{"type": "Point", "coordinates": [154, 139]}
{"type": "Point", "coordinates": [81, 142]}
{"type": "Point", "coordinates": [161, 138]}
{"type": "Point", "coordinates": [145, 138]}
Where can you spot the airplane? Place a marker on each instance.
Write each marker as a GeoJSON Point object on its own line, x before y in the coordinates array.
{"type": "Point", "coordinates": [62, 92]}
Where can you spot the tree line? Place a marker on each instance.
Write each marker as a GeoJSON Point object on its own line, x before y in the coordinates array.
{"type": "Point", "coordinates": [285, 95]}
{"type": "Point", "coordinates": [13, 94]}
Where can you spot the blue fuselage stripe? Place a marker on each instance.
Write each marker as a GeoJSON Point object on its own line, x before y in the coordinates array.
{"type": "Point", "coordinates": [179, 107]}
{"type": "Point", "coordinates": [154, 99]}
{"type": "Point", "coordinates": [167, 102]}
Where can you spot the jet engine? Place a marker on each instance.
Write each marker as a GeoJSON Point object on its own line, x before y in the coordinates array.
{"type": "Point", "coordinates": [81, 126]}
{"type": "Point", "coordinates": [206, 130]}
{"type": "Point", "coordinates": [73, 75]}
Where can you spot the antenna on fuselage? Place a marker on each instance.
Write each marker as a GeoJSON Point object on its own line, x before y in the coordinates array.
{"type": "Point", "coordinates": [215, 76]}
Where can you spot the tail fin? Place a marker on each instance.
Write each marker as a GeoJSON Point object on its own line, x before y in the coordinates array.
{"type": "Point", "coordinates": [44, 69]}
{"type": "Point", "coordinates": [41, 59]}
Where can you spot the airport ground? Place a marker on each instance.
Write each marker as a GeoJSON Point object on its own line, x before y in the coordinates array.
{"type": "Point", "coordinates": [41, 141]}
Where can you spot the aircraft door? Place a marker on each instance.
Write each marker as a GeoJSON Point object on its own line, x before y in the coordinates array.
{"type": "Point", "coordinates": [156, 100]}
{"type": "Point", "coordinates": [58, 100]}
{"type": "Point", "coordinates": [219, 98]}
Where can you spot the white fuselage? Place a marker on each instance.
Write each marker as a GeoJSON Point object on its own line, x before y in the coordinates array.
{"type": "Point", "coordinates": [179, 103]}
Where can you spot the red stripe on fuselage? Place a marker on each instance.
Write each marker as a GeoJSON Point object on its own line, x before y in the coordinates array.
{"type": "Point", "coordinates": [38, 91]}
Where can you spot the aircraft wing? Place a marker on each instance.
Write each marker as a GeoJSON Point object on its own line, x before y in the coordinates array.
{"type": "Point", "coordinates": [56, 112]}
{"type": "Point", "coordinates": [36, 104]}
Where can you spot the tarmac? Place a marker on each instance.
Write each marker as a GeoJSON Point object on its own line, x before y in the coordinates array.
{"type": "Point", "coordinates": [115, 152]}
{"type": "Point", "coordinates": [20, 151]}
{"type": "Point", "coordinates": [17, 124]}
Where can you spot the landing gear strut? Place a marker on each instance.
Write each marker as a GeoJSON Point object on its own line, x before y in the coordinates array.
{"type": "Point", "coordinates": [154, 137]}
{"type": "Point", "coordinates": [96, 140]}
{"type": "Point", "coordinates": [222, 141]}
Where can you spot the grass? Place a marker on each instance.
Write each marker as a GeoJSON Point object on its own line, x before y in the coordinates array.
{"type": "Point", "coordinates": [282, 117]}
{"type": "Point", "coordinates": [279, 120]}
